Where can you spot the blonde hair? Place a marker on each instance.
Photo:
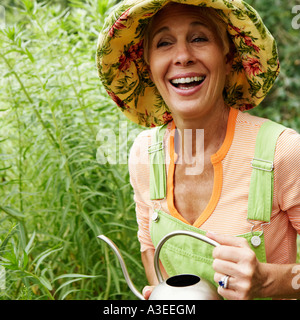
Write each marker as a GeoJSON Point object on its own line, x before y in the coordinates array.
{"type": "Point", "coordinates": [208, 14]}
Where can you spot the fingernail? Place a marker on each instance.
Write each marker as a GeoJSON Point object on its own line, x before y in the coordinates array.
{"type": "Point", "coordinates": [146, 291]}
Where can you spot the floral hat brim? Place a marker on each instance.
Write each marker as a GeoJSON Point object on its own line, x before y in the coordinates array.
{"type": "Point", "coordinates": [125, 76]}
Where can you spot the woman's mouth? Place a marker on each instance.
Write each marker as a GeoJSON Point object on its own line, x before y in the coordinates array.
{"type": "Point", "coordinates": [187, 83]}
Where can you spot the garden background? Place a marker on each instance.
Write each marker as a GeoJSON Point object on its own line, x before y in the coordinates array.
{"type": "Point", "coordinates": [55, 195]}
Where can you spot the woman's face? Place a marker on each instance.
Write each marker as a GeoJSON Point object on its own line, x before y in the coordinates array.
{"type": "Point", "coordinates": [186, 61]}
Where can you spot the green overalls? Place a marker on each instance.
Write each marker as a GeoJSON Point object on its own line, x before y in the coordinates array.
{"type": "Point", "coordinates": [183, 254]}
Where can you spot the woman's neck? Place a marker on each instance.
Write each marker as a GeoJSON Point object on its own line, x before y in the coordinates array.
{"type": "Point", "coordinates": [195, 136]}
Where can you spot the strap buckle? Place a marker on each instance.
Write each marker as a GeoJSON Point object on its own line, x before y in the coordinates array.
{"type": "Point", "coordinates": [156, 147]}
{"type": "Point", "coordinates": [266, 165]}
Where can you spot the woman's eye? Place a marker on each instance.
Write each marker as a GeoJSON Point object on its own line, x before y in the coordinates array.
{"type": "Point", "coordinates": [163, 44]}
{"type": "Point", "coordinates": [199, 39]}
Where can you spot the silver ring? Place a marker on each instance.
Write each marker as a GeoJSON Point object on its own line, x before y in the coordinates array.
{"type": "Point", "coordinates": [224, 282]}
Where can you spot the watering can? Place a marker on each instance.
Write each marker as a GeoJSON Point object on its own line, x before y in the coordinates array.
{"type": "Point", "coordinates": [179, 287]}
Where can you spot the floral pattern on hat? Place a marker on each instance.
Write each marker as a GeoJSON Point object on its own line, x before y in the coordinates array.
{"type": "Point", "coordinates": [124, 73]}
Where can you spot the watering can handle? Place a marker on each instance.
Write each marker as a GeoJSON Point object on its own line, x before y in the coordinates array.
{"type": "Point", "coordinates": [177, 233]}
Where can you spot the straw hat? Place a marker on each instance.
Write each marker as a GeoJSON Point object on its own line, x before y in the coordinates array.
{"type": "Point", "coordinates": [124, 73]}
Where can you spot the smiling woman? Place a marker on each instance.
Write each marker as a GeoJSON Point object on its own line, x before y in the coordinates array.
{"type": "Point", "coordinates": [181, 52]}
{"type": "Point", "coordinates": [204, 63]}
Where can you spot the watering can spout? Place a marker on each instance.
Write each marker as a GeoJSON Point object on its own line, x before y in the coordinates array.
{"type": "Point", "coordinates": [123, 266]}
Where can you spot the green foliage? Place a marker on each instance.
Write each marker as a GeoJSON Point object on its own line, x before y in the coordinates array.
{"type": "Point", "coordinates": [282, 104]}
{"type": "Point", "coordinates": [55, 197]}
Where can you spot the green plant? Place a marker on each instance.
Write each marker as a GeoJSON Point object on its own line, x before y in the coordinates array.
{"type": "Point", "coordinates": [55, 197]}
{"type": "Point", "coordinates": [282, 103]}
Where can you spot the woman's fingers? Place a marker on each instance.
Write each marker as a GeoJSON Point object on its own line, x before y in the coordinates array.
{"type": "Point", "coordinates": [233, 249]}
{"type": "Point", "coordinates": [234, 258]}
{"type": "Point", "coordinates": [228, 240]}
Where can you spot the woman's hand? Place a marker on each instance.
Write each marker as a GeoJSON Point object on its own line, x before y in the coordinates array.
{"type": "Point", "coordinates": [235, 258]}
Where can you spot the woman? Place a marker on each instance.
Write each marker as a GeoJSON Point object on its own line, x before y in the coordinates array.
{"type": "Point", "coordinates": [199, 69]}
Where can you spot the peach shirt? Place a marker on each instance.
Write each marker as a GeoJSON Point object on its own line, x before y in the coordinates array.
{"type": "Point", "coordinates": [226, 212]}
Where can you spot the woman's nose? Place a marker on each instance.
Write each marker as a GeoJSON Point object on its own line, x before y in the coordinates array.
{"type": "Point", "coordinates": [183, 55]}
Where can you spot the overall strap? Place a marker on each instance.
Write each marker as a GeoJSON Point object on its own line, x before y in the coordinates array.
{"type": "Point", "coordinates": [158, 180]}
{"type": "Point", "coordinates": [260, 198]}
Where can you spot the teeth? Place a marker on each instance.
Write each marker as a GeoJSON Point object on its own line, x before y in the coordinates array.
{"type": "Point", "coordinates": [187, 80]}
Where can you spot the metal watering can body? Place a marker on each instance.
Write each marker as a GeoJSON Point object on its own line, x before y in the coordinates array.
{"type": "Point", "coordinates": [179, 287]}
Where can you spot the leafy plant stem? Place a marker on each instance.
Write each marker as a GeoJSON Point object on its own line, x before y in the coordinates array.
{"type": "Point", "coordinates": [30, 100]}
{"type": "Point", "coordinates": [108, 279]}
{"type": "Point", "coordinates": [50, 296]}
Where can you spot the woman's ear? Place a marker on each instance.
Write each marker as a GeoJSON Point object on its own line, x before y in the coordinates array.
{"type": "Point", "coordinates": [229, 61]}
{"type": "Point", "coordinates": [230, 57]}
{"type": "Point", "coordinates": [150, 73]}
